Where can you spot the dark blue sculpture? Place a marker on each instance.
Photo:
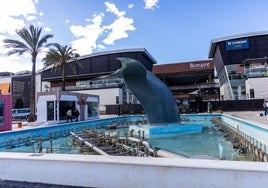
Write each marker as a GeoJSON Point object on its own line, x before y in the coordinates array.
{"type": "Point", "coordinates": [155, 97]}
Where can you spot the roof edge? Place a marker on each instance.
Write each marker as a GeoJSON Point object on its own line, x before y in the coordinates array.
{"type": "Point", "coordinates": [118, 51]}
{"type": "Point", "coordinates": [230, 37]}
{"type": "Point", "coordinates": [110, 52]}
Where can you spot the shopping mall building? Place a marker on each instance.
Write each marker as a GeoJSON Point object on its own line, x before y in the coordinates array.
{"type": "Point", "coordinates": [241, 62]}
{"type": "Point", "coordinates": [189, 82]}
{"type": "Point", "coordinates": [192, 83]}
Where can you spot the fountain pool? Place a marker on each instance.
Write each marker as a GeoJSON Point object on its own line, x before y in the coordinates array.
{"type": "Point", "coordinates": [56, 138]}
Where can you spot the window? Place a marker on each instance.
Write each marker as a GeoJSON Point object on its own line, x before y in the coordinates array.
{"type": "Point", "coordinates": [251, 93]}
{"type": "Point", "coordinates": [50, 110]}
{"type": "Point", "coordinates": [92, 109]}
{"type": "Point", "coordinates": [64, 106]}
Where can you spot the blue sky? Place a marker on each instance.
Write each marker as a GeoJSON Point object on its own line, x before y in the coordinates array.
{"type": "Point", "coordinates": [172, 31]}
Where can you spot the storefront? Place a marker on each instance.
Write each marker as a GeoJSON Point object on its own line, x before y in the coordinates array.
{"type": "Point", "coordinates": [52, 106]}
{"type": "Point", "coordinates": [242, 65]}
{"type": "Point", "coordinates": [191, 83]}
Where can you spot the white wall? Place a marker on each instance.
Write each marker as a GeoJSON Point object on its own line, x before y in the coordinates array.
{"type": "Point", "coordinates": [5, 80]}
{"type": "Point", "coordinates": [38, 83]}
{"type": "Point", "coordinates": [111, 171]}
{"type": "Point", "coordinates": [45, 86]}
{"type": "Point", "coordinates": [106, 96]}
{"type": "Point", "coordinates": [259, 85]}
{"type": "Point", "coordinates": [41, 107]}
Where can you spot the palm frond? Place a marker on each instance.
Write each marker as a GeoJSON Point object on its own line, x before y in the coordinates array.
{"type": "Point", "coordinates": [58, 57]}
{"type": "Point", "coordinates": [17, 46]}
{"type": "Point", "coordinates": [43, 40]}
{"type": "Point", "coordinates": [31, 43]}
{"type": "Point", "coordinates": [26, 36]}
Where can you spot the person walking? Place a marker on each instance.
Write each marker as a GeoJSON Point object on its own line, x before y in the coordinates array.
{"type": "Point", "coordinates": [69, 115]}
{"type": "Point", "coordinates": [265, 106]}
{"type": "Point", "coordinates": [76, 114]}
{"type": "Point", "coordinates": [210, 106]}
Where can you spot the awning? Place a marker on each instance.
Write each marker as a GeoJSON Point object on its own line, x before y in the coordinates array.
{"type": "Point", "coordinates": [92, 99]}
{"type": "Point", "coordinates": [5, 88]}
{"type": "Point", "coordinates": [68, 98]}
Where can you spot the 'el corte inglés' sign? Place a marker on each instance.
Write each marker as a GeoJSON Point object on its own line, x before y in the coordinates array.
{"type": "Point", "coordinates": [237, 44]}
{"type": "Point", "coordinates": [202, 65]}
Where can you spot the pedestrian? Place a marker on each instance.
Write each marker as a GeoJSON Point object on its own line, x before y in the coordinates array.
{"type": "Point", "coordinates": [76, 114]}
{"type": "Point", "coordinates": [69, 115]}
{"type": "Point", "coordinates": [265, 106]}
{"type": "Point", "coordinates": [210, 106]}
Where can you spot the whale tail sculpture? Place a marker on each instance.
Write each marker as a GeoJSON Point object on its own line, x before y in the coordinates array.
{"type": "Point", "coordinates": [155, 97]}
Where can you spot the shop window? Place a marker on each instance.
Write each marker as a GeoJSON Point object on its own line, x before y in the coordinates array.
{"type": "Point", "coordinates": [64, 106]}
{"type": "Point", "coordinates": [93, 109]}
{"type": "Point", "coordinates": [251, 93]}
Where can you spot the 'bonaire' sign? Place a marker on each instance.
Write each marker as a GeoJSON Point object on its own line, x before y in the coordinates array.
{"type": "Point", "coordinates": [237, 44]}
{"type": "Point", "coordinates": [202, 65]}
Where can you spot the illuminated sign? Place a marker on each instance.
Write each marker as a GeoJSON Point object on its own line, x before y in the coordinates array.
{"type": "Point", "coordinates": [203, 65]}
{"type": "Point", "coordinates": [237, 44]}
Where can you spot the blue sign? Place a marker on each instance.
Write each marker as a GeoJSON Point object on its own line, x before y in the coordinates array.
{"type": "Point", "coordinates": [237, 44]}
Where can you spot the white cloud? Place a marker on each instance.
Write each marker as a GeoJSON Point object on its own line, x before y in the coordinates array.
{"type": "Point", "coordinates": [18, 8]}
{"type": "Point", "coordinates": [30, 18]}
{"type": "Point", "coordinates": [67, 21]}
{"type": "Point", "coordinates": [118, 29]}
{"type": "Point", "coordinates": [9, 25]}
{"type": "Point", "coordinates": [87, 35]}
{"type": "Point", "coordinates": [130, 6]}
{"type": "Point", "coordinates": [47, 29]}
{"type": "Point", "coordinates": [113, 9]}
{"type": "Point", "coordinates": [14, 15]}
{"type": "Point", "coordinates": [15, 63]}
{"type": "Point", "coordinates": [10, 12]}
{"type": "Point", "coordinates": [150, 4]}
{"type": "Point", "coordinates": [100, 47]}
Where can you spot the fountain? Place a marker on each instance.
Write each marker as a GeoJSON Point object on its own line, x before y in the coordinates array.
{"type": "Point", "coordinates": [156, 99]}
{"type": "Point", "coordinates": [220, 150]}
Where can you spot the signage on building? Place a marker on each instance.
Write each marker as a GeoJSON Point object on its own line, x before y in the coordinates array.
{"type": "Point", "coordinates": [200, 65]}
{"type": "Point", "coordinates": [237, 44]}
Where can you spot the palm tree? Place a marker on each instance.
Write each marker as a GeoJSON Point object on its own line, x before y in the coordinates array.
{"type": "Point", "coordinates": [32, 42]}
{"type": "Point", "coordinates": [58, 57]}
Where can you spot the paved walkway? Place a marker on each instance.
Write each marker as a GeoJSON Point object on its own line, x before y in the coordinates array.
{"type": "Point", "coordinates": [253, 116]}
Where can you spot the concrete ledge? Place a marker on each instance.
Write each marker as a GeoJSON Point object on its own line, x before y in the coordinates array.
{"type": "Point", "coordinates": [110, 171]}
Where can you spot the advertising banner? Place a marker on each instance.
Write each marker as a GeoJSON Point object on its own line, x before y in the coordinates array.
{"type": "Point", "coordinates": [237, 44]}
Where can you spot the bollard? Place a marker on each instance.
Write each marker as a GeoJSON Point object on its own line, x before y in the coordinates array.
{"type": "Point", "coordinates": [19, 125]}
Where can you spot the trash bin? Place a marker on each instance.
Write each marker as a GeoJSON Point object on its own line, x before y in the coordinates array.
{"type": "Point", "coordinates": [19, 125]}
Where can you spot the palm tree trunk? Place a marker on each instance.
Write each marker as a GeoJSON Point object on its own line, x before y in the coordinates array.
{"type": "Point", "coordinates": [63, 77]}
{"type": "Point", "coordinates": [32, 91]}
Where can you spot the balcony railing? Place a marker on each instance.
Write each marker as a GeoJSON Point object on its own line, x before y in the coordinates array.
{"type": "Point", "coordinates": [87, 87]}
